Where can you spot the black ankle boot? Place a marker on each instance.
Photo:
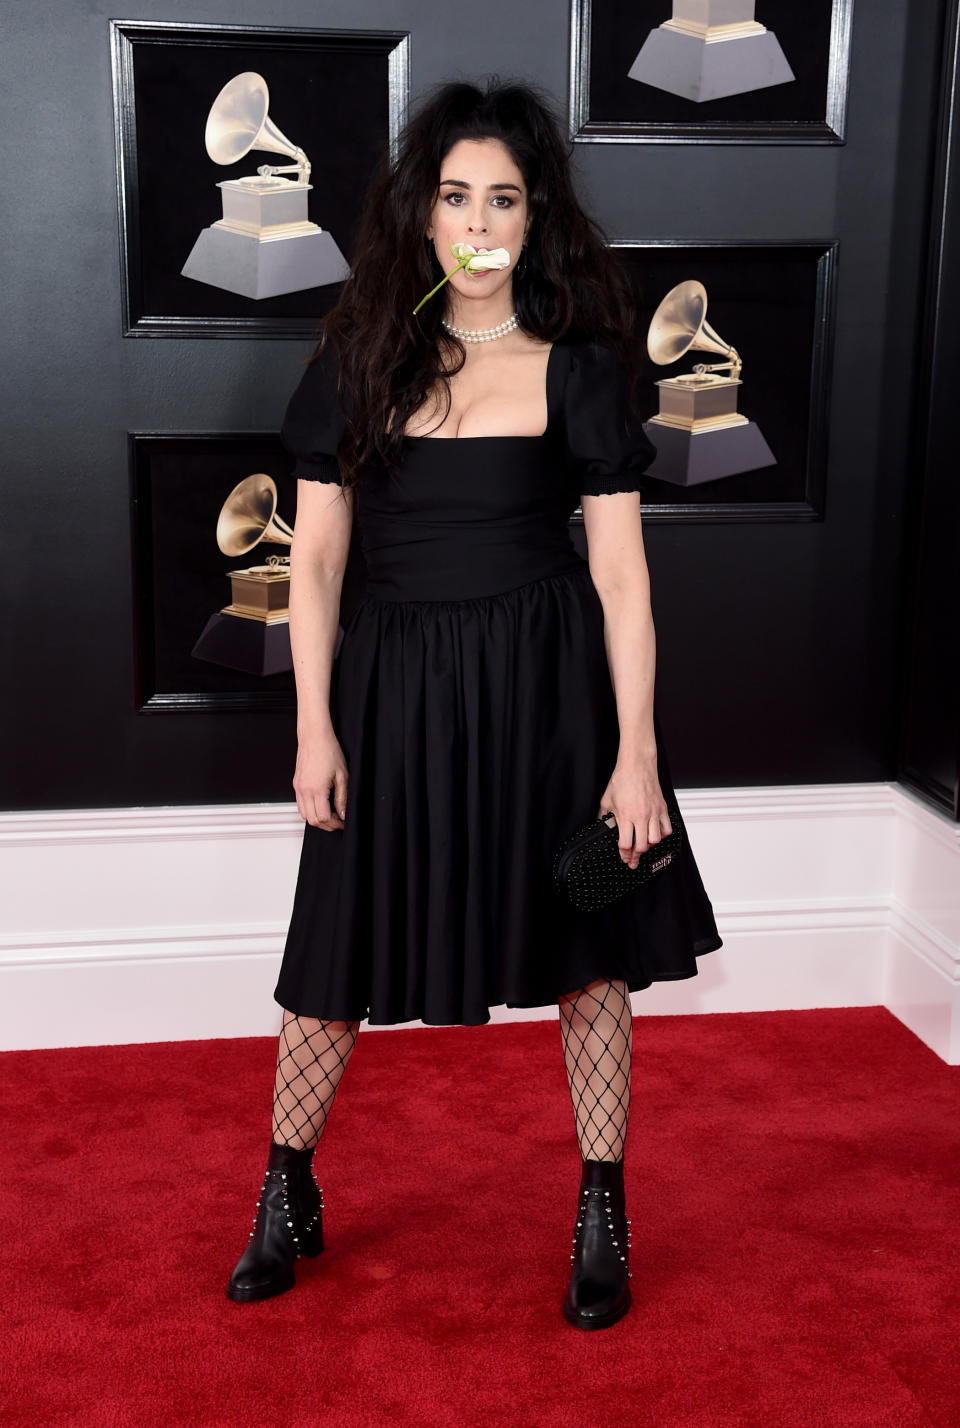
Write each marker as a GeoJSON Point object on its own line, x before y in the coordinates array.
{"type": "Point", "coordinates": [599, 1293]}
{"type": "Point", "coordinates": [288, 1223]}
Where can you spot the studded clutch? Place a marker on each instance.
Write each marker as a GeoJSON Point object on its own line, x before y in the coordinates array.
{"type": "Point", "coordinates": [588, 867]}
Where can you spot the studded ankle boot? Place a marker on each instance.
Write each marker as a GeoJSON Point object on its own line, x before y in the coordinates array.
{"type": "Point", "coordinates": [288, 1223]}
{"type": "Point", "coordinates": [599, 1292]}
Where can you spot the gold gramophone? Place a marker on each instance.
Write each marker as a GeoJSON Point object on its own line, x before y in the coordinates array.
{"type": "Point", "coordinates": [698, 432]}
{"type": "Point", "coordinates": [698, 399]}
{"type": "Point", "coordinates": [265, 244]}
{"type": "Point", "coordinates": [247, 517]}
{"type": "Point", "coordinates": [252, 633]}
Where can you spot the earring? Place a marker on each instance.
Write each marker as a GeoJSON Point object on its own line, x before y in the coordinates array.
{"type": "Point", "coordinates": [521, 266]}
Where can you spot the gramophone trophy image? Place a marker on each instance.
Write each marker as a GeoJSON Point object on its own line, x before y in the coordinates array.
{"type": "Point", "coordinates": [710, 49]}
{"type": "Point", "coordinates": [698, 432]}
{"type": "Point", "coordinates": [264, 244]}
{"type": "Point", "coordinates": [252, 633]}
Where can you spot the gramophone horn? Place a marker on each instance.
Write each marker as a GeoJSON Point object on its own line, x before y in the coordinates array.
{"type": "Point", "coordinates": [238, 121]}
{"type": "Point", "coordinates": [248, 516]}
{"type": "Point", "coordinates": [680, 322]}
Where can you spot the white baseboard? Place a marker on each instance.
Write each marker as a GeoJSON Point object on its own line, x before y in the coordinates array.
{"type": "Point", "coordinates": [167, 924]}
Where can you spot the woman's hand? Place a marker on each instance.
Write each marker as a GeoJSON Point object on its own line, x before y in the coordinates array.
{"type": "Point", "coordinates": [634, 798]}
{"type": "Point", "coordinates": [321, 766]}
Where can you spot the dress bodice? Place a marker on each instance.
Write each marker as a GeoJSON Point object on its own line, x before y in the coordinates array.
{"type": "Point", "coordinates": [468, 517]}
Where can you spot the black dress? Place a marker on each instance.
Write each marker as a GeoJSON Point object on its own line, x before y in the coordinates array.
{"type": "Point", "coordinates": [472, 699]}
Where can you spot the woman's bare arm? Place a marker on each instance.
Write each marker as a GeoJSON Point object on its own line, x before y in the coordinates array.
{"type": "Point", "coordinates": [618, 568]}
{"type": "Point", "coordinates": [318, 558]}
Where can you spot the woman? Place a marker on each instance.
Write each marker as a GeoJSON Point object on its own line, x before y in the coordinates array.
{"type": "Point", "coordinates": [468, 723]}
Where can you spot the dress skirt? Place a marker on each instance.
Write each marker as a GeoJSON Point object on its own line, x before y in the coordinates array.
{"type": "Point", "coordinates": [479, 733]}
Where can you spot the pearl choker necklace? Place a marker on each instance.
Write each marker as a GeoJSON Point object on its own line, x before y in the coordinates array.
{"type": "Point", "coordinates": [484, 334]}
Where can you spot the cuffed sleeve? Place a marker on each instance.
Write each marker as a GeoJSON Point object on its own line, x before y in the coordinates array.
{"type": "Point", "coordinates": [608, 448]}
{"type": "Point", "coordinates": [314, 421]}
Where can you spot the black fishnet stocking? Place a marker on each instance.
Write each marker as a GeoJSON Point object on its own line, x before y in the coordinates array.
{"type": "Point", "coordinates": [311, 1058]}
{"type": "Point", "coordinates": [596, 1027]}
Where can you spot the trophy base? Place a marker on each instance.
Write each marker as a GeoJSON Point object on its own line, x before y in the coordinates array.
{"type": "Point", "coordinates": [251, 646]}
{"type": "Point", "coordinates": [689, 458]}
{"type": "Point", "coordinates": [693, 68]}
{"type": "Point", "coordinates": [262, 267]}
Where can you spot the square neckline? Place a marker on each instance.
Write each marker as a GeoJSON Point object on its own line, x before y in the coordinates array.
{"type": "Point", "coordinates": [508, 436]}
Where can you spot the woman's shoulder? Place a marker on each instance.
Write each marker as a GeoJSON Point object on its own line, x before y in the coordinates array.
{"type": "Point", "coordinates": [603, 422]}
{"type": "Point", "coordinates": [590, 350]}
{"type": "Point", "coordinates": [594, 369]}
{"type": "Point", "coordinates": [320, 391]}
{"type": "Point", "coordinates": [315, 416]}
{"type": "Point", "coordinates": [321, 370]}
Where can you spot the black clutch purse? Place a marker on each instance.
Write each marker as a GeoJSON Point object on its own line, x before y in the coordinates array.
{"type": "Point", "coordinates": [588, 867]}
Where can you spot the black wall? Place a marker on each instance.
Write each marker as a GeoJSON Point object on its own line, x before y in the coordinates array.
{"type": "Point", "coordinates": [930, 685]}
{"type": "Point", "coordinates": [781, 644]}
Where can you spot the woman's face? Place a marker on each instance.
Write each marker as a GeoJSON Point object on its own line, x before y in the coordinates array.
{"type": "Point", "coordinates": [481, 200]}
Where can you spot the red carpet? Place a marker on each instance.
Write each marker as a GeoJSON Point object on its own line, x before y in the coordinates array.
{"type": "Point", "coordinates": [792, 1179]}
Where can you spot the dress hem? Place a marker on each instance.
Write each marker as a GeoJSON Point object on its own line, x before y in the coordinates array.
{"type": "Point", "coordinates": [634, 984]}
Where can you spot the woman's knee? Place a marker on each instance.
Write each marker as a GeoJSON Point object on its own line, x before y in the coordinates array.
{"type": "Point", "coordinates": [597, 988]}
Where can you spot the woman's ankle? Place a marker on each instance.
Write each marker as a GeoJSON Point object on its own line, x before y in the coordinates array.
{"type": "Point", "coordinates": [284, 1157]}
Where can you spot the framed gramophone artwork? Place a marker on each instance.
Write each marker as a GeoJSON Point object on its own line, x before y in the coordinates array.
{"type": "Point", "coordinates": [212, 517]}
{"type": "Point", "coordinates": [737, 341]}
{"type": "Point", "coordinates": [242, 157]}
{"type": "Point", "coordinates": [187, 542]}
{"type": "Point", "coordinates": [709, 71]}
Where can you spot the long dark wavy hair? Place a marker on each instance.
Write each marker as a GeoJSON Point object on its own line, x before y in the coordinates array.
{"type": "Point", "coordinates": [572, 285]}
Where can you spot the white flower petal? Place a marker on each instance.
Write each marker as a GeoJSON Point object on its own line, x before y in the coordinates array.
{"type": "Point", "coordinates": [489, 260]}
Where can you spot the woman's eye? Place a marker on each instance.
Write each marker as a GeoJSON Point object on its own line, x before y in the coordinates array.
{"type": "Point", "coordinates": [501, 200]}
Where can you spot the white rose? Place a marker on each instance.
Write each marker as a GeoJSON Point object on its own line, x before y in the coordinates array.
{"type": "Point", "coordinates": [483, 260]}
{"type": "Point", "coordinates": [471, 260]}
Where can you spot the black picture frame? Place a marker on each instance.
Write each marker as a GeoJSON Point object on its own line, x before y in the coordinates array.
{"type": "Point", "coordinates": [340, 94]}
{"type": "Point", "coordinates": [178, 484]}
{"type": "Point", "coordinates": [606, 106]}
{"type": "Point", "coordinates": [775, 303]}
{"type": "Point", "coordinates": [179, 481]}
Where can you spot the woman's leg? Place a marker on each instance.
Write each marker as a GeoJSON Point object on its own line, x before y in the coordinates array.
{"type": "Point", "coordinates": [596, 1026]}
{"type": "Point", "coordinates": [311, 1058]}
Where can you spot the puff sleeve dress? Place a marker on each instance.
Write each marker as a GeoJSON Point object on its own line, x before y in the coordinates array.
{"type": "Point", "coordinates": [472, 698]}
